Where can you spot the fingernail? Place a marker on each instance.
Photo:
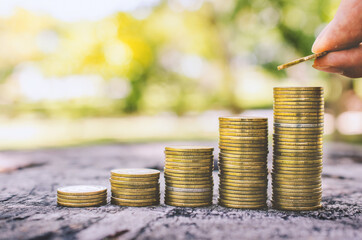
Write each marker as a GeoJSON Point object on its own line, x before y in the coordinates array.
{"type": "Point", "coordinates": [328, 69]}
{"type": "Point", "coordinates": [319, 38]}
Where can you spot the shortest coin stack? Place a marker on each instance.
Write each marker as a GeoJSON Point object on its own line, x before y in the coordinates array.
{"type": "Point", "coordinates": [135, 187]}
{"type": "Point", "coordinates": [82, 196]}
{"type": "Point", "coordinates": [188, 176]}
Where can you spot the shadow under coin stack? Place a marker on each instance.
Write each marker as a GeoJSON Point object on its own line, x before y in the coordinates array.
{"type": "Point", "coordinates": [297, 159]}
{"type": "Point", "coordinates": [243, 168]}
{"type": "Point", "coordinates": [188, 176]}
{"type": "Point", "coordinates": [135, 187]}
{"type": "Point", "coordinates": [82, 196]}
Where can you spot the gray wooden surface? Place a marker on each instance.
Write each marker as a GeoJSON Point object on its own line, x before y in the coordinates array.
{"type": "Point", "coordinates": [28, 207]}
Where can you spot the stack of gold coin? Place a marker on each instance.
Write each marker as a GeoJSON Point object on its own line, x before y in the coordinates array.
{"type": "Point", "coordinates": [243, 168]}
{"type": "Point", "coordinates": [82, 196]}
{"type": "Point", "coordinates": [297, 157]}
{"type": "Point", "coordinates": [135, 187]}
{"type": "Point", "coordinates": [188, 176]}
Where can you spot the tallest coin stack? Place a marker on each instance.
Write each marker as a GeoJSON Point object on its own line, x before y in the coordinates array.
{"type": "Point", "coordinates": [297, 157]}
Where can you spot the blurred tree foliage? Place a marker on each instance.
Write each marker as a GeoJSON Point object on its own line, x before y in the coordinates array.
{"type": "Point", "coordinates": [179, 58]}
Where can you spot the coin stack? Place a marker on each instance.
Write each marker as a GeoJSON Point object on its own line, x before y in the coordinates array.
{"type": "Point", "coordinates": [82, 196]}
{"type": "Point", "coordinates": [243, 168]}
{"type": "Point", "coordinates": [297, 157]}
{"type": "Point", "coordinates": [135, 187]}
{"type": "Point", "coordinates": [188, 176]}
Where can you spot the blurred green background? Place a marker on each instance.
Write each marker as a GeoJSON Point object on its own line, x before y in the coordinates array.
{"type": "Point", "coordinates": [75, 72]}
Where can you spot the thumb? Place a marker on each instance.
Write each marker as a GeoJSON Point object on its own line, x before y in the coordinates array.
{"type": "Point", "coordinates": [344, 31]}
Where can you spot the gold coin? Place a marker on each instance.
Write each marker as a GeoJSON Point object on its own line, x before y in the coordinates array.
{"type": "Point", "coordinates": [188, 157]}
{"type": "Point", "coordinates": [282, 132]}
{"type": "Point", "coordinates": [201, 179]}
{"type": "Point", "coordinates": [238, 162]}
{"type": "Point", "coordinates": [193, 198]}
{"type": "Point", "coordinates": [136, 172]}
{"type": "Point", "coordinates": [252, 165]}
{"type": "Point", "coordinates": [134, 190]}
{"type": "Point", "coordinates": [297, 151]}
{"type": "Point", "coordinates": [81, 200]}
{"type": "Point", "coordinates": [174, 165]}
{"type": "Point", "coordinates": [297, 140]}
{"type": "Point", "coordinates": [301, 167]}
{"type": "Point", "coordinates": [307, 98]}
{"type": "Point", "coordinates": [137, 180]}
{"type": "Point", "coordinates": [82, 190]}
{"type": "Point", "coordinates": [190, 160]}
{"type": "Point", "coordinates": [245, 149]}
{"type": "Point", "coordinates": [314, 89]}
{"type": "Point", "coordinates": [291, 98]}
{"type": "Point", "coordinates": [290, 186]}
{"type": "Point", "coordinates": [241, 158]}
{"type": "Point", "coordinates": [187, 154]}
{"type": "Point", "coordinates": [243, 185]}
{"type": "Point", "coordinates": [315, 138]}
{"type": "Point", "coordinates": [241, 139]}
{"type": "Point", "coordinates": [189, 194]}
{"type": "Point", "coordinates": [188, 175]}
{"type": "Point", "coordinates": [243, 189]}
{"type": "Point", "coordinates": [170, 180]}
{"type": "Point", "coordinates": [123, 200]}
{"type": "Point", "coordinates": [297, 110]}
{"type": "Point", "coordinates": [299, 129]}
{"type": "Point", "coordinates": [187, 200]}
{"type": "Point", "coordinates": [243, 119]}
{"type": "Point", "coordinates": [225, 179]}
{"type": "Point", "coordinates": [208, 185]}
{"type": "Point", "coordinates": [238, 194]}
{"type": "Point", "coordinates": [189, 170]}
{"type": "Point", "coordinates": [178, 204]}
{"type": "Point", "coordinates": [134, 204]}
{"type": "Point", "coordinates": [298, 121]}
{"type": "Point", "coordinates": [282, 107]}
{"type": "Point", "coordinates": [303, 203]}
{"type": "Point", "coordinates": [242, 134]}
{"type": "Point", "coordinates": [190, 149]}
{"type": "Point", "coordinates": [243, 143]}
{"type": "Point", "coordinates": [308, 158]}
{"type": "Point", "coordinates": [297, 104]}
{"type": "Point", "coordinates": [242, 177]}
{"type": "Point", "coordinates": [297, 154]}
{"type": "Point", "coordinates": [280, 190]}
{"type": "Point", "coordinates": [294, 179]}
{"type": "Point", "coordinates": [80, 197]}
{"type": "Point", "coordinates": [242, 206]}
{"type": "Point", "coordinates": [242, 168]}
{"type": "Point", "coordinates": [241, 155]}
{"type": "Point", "coordinates": [130, 197]}
{"type": "Point", "coordinates": [299, 198]}
{"type": "Point", "coordinates": [298, 147]}
{"type": "Point", "coordinates": [263, 124]}
{"type": "Point", "coordinates": [246, 131]}
{"type": "Point", "coordinates": [65, 204]}
{"type": "Point", "coordinates": [298, 165]}
{"type": "Point", "coordinates": [243, 127]}
{"type": "Point", "coordinates": [117, 184]}
{"type": "Point", "coordinates": [284, 118]}
{"type": "Point", "coordinates": [190, 190]}
{"type": "Point", "coordinates": [243, 201]}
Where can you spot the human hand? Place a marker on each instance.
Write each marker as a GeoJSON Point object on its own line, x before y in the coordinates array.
{"type": "Point", "coordinates": [342, 39]}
